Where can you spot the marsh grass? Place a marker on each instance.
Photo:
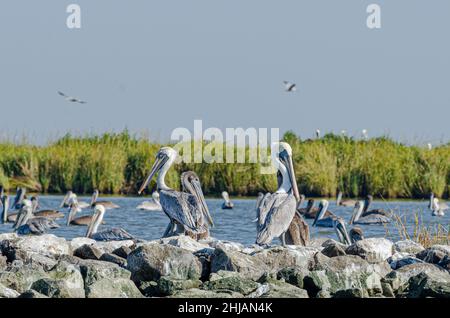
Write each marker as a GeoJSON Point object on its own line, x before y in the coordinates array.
{"type": "Point", "coordinates": [117, 163]}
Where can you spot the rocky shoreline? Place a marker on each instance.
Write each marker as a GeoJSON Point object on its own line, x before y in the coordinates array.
{"type": "Point", "coordinates": [50, 266]}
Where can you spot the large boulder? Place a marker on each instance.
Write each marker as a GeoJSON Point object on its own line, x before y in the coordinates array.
{"type": "Point", "coordinates": [3, 262]}
{"type": "Point", "coordinates": [434, 254]}
{"type": "Point", "coordinates": [293, 275]}
{"type": "Point", "coordinates": [168, 286]}
{"type": "Point", "coordinates": [31, 293]}
{"type": "Point", "coordinates": [340, 273]}
{"type": "Point", "coordinates": [432, 284]}
{"type": "Point", "coordinates": [64, 281]}
{"type": "Point", "coordinates": [399, 279]}
{"type": "Point", "coordinates": [80, 241]}
{"type": "Point", "coordinates": [224, 281]}
{"type": "Point", "coordinates": [151, 261]}
{"type": "Point", "coordinates": [373, 250]}
{"type": "Point", "coordinates": [183, 241]}
{"type": "Point", "coordinates": [20, 278]}
{"type": "Point", "coordinates": [47, 245]}
{"type": "Point", "coordinates": [88, 251]}
{"type": "Point", "coordinates": [201, 293]}
{"type": "Point", "coordinates": [107, 280]}
{"type": "Point", "coordinates": [408, 246]}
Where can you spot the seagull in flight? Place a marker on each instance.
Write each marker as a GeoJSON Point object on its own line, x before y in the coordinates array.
{"type": "Point", "coordinates": [71, 99]}
{"type": "Point", "coordinates": [290, 87]}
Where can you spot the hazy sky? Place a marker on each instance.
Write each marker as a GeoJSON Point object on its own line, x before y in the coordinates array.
{"type": "Point", "coordinates": [158, 65]}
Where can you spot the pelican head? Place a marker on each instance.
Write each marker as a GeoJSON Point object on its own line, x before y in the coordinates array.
{"type": "Point", "coordinates": [97, 218]}
{"type": "Point", "coordinates": [191, 183]}
{"type": "Point", "coordinates": [367, 202]}
{"type": "Point", "coordinates": [66, 198]}
{"type": "Point", "coordinates": [5, 207]}
{"type": "Point", "coordinates": [225, 196]}
{"type": "Point", "coordinates": [283, 153]}
{"type": "Point", "coordinates": [164, 159]}
{"type": "Point", "coordinates": [341, 231]}
{"type": "Point", "coordinates": [94, 196]}
{"type": "Point", "coordinates": [357, 211]}
{"type": "Point", "coordinates": [25, 213]}
{"type": "Point", "coordinates": [34, 203]}
{"type": "Point", "coordinates": [430, 206]}
{"type": "Point", "coordinates": [73, 210]}
{"type": "Point", "coordinates": [356, 234]}
{"type": "Point", "coordinates": [323, 206]}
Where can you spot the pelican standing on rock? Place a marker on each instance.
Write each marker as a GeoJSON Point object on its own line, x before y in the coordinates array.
{"type": "Point", "coordinates": [113, 234]}
{"type": "Point", "coordinates": [373, 218]}
{"type": "Point", "coordinates": [151, 205]}
{"type": "Point", "coordinates": [106, 204]}
{"type": "Point", "coordinates": [187, 211]}
{"type": "Point", "coordinates": [276, 210]}
{"type": "Point", "coordinates": [227, 204]}
{"type": "Point", "coordinates": [27, 224]}
{"type": "Point", "coordinates": [321, 219]}
{"type": "Point", "coordinates": [341, 202]}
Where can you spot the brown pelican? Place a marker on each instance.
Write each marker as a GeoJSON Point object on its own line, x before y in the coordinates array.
{"type": "Point", "coordinates": [289, 87]}
{"type": "Point", "coordinates": [71, 99]}
{"type": "Point", "coordinates": [355, 235]}
{"type": "Point", "coordinates": [321, 219]}
{"type": "Point", "coordinates": [277, 210]}
{"type": "Point", "coordinates": [341, 202]}
{"type": "Point", "coordinates": [439, 207]}
{"type": "Point", "coordinates": [82, 220]}
{"type": "Point", "coordinates": [373, 218]}
{"type": "Point", "coordinates": [227, 204]}
{"type": "Point", "coordinates": [187, 211]}
{"type": "Point", "coordinates": [27, 224]}
{"type": "Point", "coordinates": [114, 234]}
{"type": "Point", "coordinates": [106, 204]}
{"type": "Point", "coordinates": [151, 205]}
{"type": "Point", "coordinates": [71, 197]}
{"type": "Point", "coordinates": [310, 211]}
{"type": "Point", "coordinates": [366, 210]}
{"type": "Point", "coordinates": [53, 214]}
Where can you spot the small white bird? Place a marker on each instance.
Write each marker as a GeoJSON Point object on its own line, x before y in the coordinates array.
{"type": "Point", "coordinates": [71, 99]}
{"type": "Point", "coordinates": [429, 146]}
{"type": "Point", "coordinates": [290, 87]}
{"type": "Point", "coordinates": [343, 133]}
{"type": "Point", "coordinates": [317, 133]}
{"type": "Point", "coordinates": [365, 134]}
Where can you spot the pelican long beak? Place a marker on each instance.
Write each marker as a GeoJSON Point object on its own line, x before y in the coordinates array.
{"type": "Point", "coordinates": [290, 168]}
{"type": "Point", "coordinates": [155, 168]}
{"type": "Point", "coordinates": [73, 211]}
{"type": "Point", "coordinates": [64, 201]}
{"type": "Point", "coordinates": [318, 214]}
{"type": "Point", "coordinates": [201, 200]}
{"type": "Point", "coordinates": [22, 217]}
{"type": "Point", "coordinates": [342, 232]}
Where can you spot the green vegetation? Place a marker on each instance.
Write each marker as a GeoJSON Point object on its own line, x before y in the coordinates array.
{"type": "Point", "coordinates": [118, 163]}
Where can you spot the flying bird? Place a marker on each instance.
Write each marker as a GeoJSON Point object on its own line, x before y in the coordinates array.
{"type": "Point", "coordinates": [71, 99]}
{"type": "Point", "coordinates": [290, 87]}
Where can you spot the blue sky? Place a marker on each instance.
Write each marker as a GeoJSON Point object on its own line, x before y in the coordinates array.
{"type": "Point", "coordinates": [157, 65]}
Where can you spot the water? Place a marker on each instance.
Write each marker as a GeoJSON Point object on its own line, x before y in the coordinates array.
{"type": "Point", "coordinates": [234, 225]}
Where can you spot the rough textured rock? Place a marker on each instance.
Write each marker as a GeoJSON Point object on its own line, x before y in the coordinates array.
{"type": "Point", "coordinates": [3, 262]}
{"type": "Point", "coordinates": [434, 254]}
{"type": "Point", "coordinates": [122, 251]}
{"type": "Point", "coordinates": [224, 281]}
{"type": "Point", "coordinates": [22, 277]}
{"type": "Point", "coordinates": [184, 242]}
{"type": "Point", "coordinates": [333, 249]}
{"type": "Point", "coordinates": [293, 275]}
{"type": "Point", "coordinates": [113, 258]}
{"type": "Point", "coordinates": [151, 261]}
{"type": "Point", "coordinates": [80, 241]}
{"type": "Point", "coordinates": [88, 251]}
{"type": "Point", "coordinates": [408, 246]}
{"type": "Point", "coordinates": [200, 293]}
{"type": "Point", "coordinates": [109, 247]}
{"type": "Point", "coordinates": [167, 286]}
{"type": "Point", "coordinates": [342, 273]}
{"type": "Point", "coordinates": [6, 292]}
{"type": "Point", "coordinates": [445, 263]}
{"type": "Point", "coordinates": [47, 245]}
{"type": "Point", "coordinates": [273, 288]}
{"type": "Point", "coordinates": [399, 278]}
{"type": "Point", "coordinates": [64, 281]}
{"type": "Point", "coordinates": [373, 250]}
{"type": "Point", "coordinates": [432, 284]}
{"type": "Point", "coordinates": [255, 265]}
{"type": "Point", "coordinates": [31, 293]}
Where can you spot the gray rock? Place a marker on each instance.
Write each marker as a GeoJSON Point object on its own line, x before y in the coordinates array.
{"type": "Point", "coordinates": [280, 289]}
{"type": "Point", "coordinates": [88, 252]}
{"type": "Point", "coordinates": [47, 245]}
{"type": "Point", "coordinates": [223, 281]}
{"type": "Point", "coordinates": [399, 278]}
{"type": "Point", "coordinates": [332, 250]}
{"type": "Point", "coordinates": [445, 263]}
{"type": "Point", "coordinates": [93, 270]}
{"type": "Point", "coordinates": [113, 258]}
{"type": "Point", "coordinates": [200, 293]}
{"type": "Point", "coordinates": [21, 278]}
{"type": "Point", "coordinates": [373, 250]}
{"type": "Point", "coordinates": [3, 262]}
{"type": "Point", "coordinates": [122, 251]}
{"type": "Point", "coordinates": [151, 261]}
{"type": "Point", "coordinates": [185, 242]}
{"type": "Point", "coordinates": [399, 263]}
{"type": "Point", "coordinates": [113, 288]}
{"type": "Point", "coordinates": [293, 275]}
{"type": "Point", "coordinates": [168, 286]}
{"type": "Point", "coordinates": [6, 292]}
{"type": "Point", "coordinates": [408, 246]}
{"type": "Point", "coordinates": [31, 293]}
{"type": "Point", "coordinates": [64, 281]}
{"type": "Point", "coordinates": [432, 284]}
{"type": "Point", "coordinates": [434, 254]}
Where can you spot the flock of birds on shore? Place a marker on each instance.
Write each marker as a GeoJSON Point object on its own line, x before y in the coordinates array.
{"type": "Point", "coordinates": [278, 215]}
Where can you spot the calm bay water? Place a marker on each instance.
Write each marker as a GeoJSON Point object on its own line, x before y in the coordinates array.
{"type": "Point", "coordinates": [234, 225]}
